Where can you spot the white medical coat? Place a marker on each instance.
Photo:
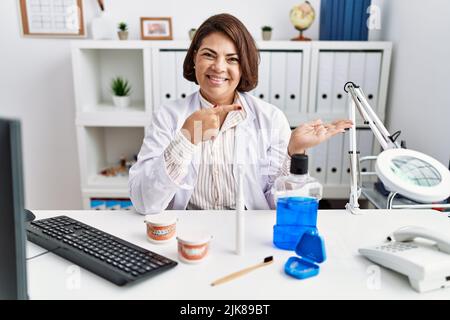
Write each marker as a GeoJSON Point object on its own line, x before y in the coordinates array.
{"type": "Point", "coordinates": [261, 141]}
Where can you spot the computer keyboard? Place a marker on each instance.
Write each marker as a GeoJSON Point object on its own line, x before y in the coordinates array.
{"type": "Point", "coordinates": [110, 257]}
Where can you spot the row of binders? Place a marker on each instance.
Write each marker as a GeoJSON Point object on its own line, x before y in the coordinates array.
{"type": "Point", "coordinates": [336, 69]}
{"type": "Point", "coordinates": [344, 20]}
{"type": "Point", "coordinates": [172, 83]}
{"type": "Point", "coordinates": [330, 161]}
{"type": "Point", "coordinates": [110, 204]}
{"type": "Point", "coordinates": [279, 80]}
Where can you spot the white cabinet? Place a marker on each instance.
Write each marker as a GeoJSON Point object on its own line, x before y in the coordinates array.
{"type": "Point", "coordinates": [304, 79]}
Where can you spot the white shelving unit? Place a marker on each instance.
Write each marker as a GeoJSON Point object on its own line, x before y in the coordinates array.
{"type": "Point", "coordinates": [292, 75]}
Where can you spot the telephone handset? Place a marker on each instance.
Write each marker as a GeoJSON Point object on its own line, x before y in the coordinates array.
{"type": "Point", "coordinates": [411, 232]}
{"type": "Point", "coordinates": [419, 253]}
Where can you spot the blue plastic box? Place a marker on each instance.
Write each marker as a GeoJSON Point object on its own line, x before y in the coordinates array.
{"type": "Point", "coordinates": [310, 250]}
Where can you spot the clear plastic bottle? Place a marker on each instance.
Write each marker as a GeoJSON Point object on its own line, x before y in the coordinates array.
{"type": "Point", "coordinates": [297, 198]}
{"type": "Point", "coordinates": [298, 183]}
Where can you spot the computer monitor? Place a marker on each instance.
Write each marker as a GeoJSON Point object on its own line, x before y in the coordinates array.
{"type": "Point", "coordinates": [13, 279]}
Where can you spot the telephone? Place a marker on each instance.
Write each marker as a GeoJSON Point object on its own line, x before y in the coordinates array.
{"type": "Point", "coordinates": [421, 254]}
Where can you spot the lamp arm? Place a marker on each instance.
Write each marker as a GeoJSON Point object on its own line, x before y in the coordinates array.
{"type": "Point", "coordinates": [358, 101]}
{"type": "Point", "coordinates": [386, 140]}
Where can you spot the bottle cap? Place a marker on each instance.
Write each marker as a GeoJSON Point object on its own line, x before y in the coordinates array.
{"type": "Point", "coordinates": [299, 164]}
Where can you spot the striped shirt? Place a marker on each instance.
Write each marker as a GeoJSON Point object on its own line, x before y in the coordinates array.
{"type": "Point", "coordinates": [216, 187]}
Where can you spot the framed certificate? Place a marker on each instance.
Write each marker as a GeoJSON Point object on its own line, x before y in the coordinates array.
{"type": "Point", "coordinates": [52, 18]}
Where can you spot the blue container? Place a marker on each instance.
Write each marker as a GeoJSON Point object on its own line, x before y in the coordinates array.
{"type": "Point", "coordinates": [300, 211]}
{"type": "Point", "coordinates": [311, 251]}
{"type": "Point", "coordinates": [287, 237]}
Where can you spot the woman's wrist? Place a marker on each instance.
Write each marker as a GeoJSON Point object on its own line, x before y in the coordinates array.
{"type": "Point", "coordinates": [298, 151]}
{"type": "Point", "coordinates": [187, 131]}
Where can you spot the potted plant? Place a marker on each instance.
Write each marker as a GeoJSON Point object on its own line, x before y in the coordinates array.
{"type": "Point", "coordinates": [266, 32]}
{"type": "Point", "coordinates": [192, 33]}
{"type": "Point", "coordinates": [122, 30]}
{"type": "Point", "coordinates": [121, 90]}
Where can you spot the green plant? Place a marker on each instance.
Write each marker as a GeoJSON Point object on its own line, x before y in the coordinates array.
{"type": "Point", "coordinates": [122, 26]}
{"type": "Point", "coordinates": [120, 87]}
{"type": "Point", "coordinates": [266, 28]}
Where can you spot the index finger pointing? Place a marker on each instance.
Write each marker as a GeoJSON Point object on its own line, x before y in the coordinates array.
{"type": "Point", "coordinates": [227, 108]}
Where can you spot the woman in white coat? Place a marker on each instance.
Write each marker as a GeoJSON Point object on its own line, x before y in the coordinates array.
{"type": "Point", "coordinates": [193, 146]}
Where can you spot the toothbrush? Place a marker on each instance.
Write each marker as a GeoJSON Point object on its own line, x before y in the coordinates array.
{"type": "Point", "coordinates": [240, 211]}
{"type": "Point", "coordinates": [234, 275]}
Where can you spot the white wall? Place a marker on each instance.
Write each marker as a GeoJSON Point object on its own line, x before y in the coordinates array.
{"type": "Point", "coordinates": [419, 91]}
{"type": "Point", "coordinates": [191, 13]}
{"type": "Point", "coordinates": [36, 87]}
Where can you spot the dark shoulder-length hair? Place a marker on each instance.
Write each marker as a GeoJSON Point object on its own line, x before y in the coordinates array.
{"type": "Point", "coordinates": [244, 42]}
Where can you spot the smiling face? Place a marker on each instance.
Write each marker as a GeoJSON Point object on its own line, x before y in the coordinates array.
{"type": "Point", "coordinates": [217, 68]}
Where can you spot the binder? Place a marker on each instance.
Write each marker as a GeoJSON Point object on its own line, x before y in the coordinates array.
{"type": "Point", "coordinates": [194, 87]}
{"type": "Point", "coordinates": [112, 204]}
{"type": "Point", "coordinates": [167, 76]}
{"type": "Point", "coordinates": [318, 168]}
{"type": "Point", "coordinates": [294, 82]}
{"type": "Point", "coordinates": [97, 204]}
{"type": "Point", "coordinates": [357, 19]}
{"type": "Point", "coordinates": [325, 19]}
{"type": "Point", "coordinates": [183, 86]}
{"type": "Point", "coordinates": [340, 19]}
{"type": "Point", "coordinates": [325, 82]}
{"type": "Point", "coordinates": [334, 161]}
{"type": "Point", "coordinates": [334, 20]}
{"type": "Point", "coordinates": [348, 19]}
{"type": "Point", "coordinates": [357, 64]}
{"type": "Point", "coordinates": [278, 79]}
{"type": "Point", "coordinates": [372, 78]}
{"type": "Point", "coordinates": [356, 74]}
{"type": "Point", "coordinates": [340, 77]}
{"type": "Point", "coordinates": [365, 18]}
{"type": "Point", "coordinates": [345, 170]}
{"type": "Point", "coordinates": [365, 144]}
{"type": "Point", "coordinates": [262, 89]}
{"type": "Point", "coordinates": [126, 204]}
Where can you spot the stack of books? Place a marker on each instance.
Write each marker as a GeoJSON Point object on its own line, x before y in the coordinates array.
{"type": "Point", "coordinates": [344, 20]}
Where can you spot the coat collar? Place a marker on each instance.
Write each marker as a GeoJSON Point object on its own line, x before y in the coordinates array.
{"type": "Point", "coordinates": [242, 129]}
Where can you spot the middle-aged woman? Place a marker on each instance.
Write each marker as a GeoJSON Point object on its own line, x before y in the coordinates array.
{"type": "Point", "coordinates": [193, 146]}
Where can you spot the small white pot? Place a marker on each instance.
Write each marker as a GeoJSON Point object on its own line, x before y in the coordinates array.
{"type": "Point", "coordinates": [121, 102]}
{"type": "Point", "coordinates": [123, 35]}
{"type": "Point", "coordinates": [267, 35]}
{"type": "Point", "coordinates": [192, 34]}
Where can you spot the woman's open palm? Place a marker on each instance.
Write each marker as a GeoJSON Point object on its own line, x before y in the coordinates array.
{"type": "Point", "coordinates": [310, 134]}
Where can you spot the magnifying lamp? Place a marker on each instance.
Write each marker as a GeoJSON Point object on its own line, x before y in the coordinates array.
{"type": "Point", "coordinates": [413, 174]}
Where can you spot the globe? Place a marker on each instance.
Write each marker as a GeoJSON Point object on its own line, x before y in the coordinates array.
{"type": "Point", "coordinates": [302, 16]}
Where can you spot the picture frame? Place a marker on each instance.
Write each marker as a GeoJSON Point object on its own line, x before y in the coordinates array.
{"type": "Point", "coordinates": [153, 28]}
{"type": "Point", "coordinates": [59, 18]}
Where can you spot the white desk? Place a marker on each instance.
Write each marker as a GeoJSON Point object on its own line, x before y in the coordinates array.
{"type": "Point", "coordinates": [344, 275]}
